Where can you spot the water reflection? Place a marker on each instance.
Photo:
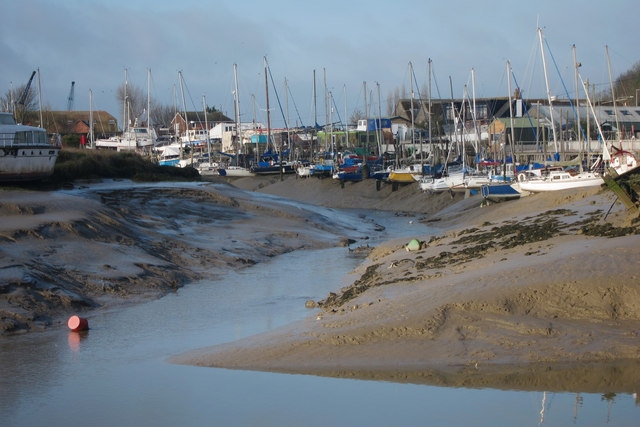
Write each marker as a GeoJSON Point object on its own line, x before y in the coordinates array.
{"type": "Point", "coordinates": [75, 339]}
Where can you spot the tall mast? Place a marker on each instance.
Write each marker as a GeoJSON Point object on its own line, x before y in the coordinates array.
{"type": "Point", "coordinates": [613, 95]}
{"type": "Point", "coordinates": [286, 101]}
{"type": "Point", "coordinates": [91, 119]}
{"type": "Point", "coordinates": [475, 112]}
{"type": "Point", "coordinates": [346, 126]}
{"type": "Point", "coordinates": [366, 114]}
{"type": "Point", "coordinates": [546, 79]}
{"type": "Point", "coordinates": [238, 131]}
{"type": "Point", "coordinates": [577, 65]}
{"type": "Point", "coordinates": [40, 99]}
{"type": "Point", "coordinates": [255, 125]}
{"type": "Point", "coordinates": [429, 89]}
{"type": "Point", "coordinates": [184, 109]}
{"type": "Point", "coordinates": [206, 126]}
{"type": "Point", "coordinates": [380, 121]}
{"type": "Point", "coordinates": [513, 135]}
{"type": "Point", "coordinates": [149, 131]}
{"type": "Point", "coordinates": [326, 108]}
{"type": "Point", "coordinates": [413, 131]}
{"type": "Point", "coordinates": [124, 102]}
{"type": "Point", "coordinates": [266, 88]}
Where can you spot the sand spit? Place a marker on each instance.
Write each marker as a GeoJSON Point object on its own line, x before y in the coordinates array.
{"type": "Point", "coordinates": [540, 293]}
{"type": "Point", "coordinates": [104, 244]}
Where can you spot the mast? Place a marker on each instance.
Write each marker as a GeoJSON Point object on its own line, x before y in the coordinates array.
{"type": "Point", "coordinates": [513, 135]}
{"type": "Point", "coordinates": [475, 112]}
{"type": "Point", "coordinates": [429, 95]}
{"type": "Point", "coordinates": [206, 126]}
{"type": "Point", "coordinates": [546, 79]}
{"type": "Point", "coordinates": [286, 101]}
{"type": "Point", "coordinates": [91, 119]}
{"type": "Point", "coordinates": [577, 65]}
{"type": "Point", "coordinates": [149, 131]}
{"type": "Point", "coordinates": [266, 88]}
{"type": "Point", "coordinates": [255, 125]}
{"type": "Point", "coordinates": [366, 114]}
{"type": "Point", "coordinates": [184, 108]}
{"type": "Point", "coordinates": [605, 150]}
{"type": "Point", "coordinates": [413, 131]}
{"type": "Point", "coordinates": [40, 99]}
{"type": "Point", "coordinates": [326, 110]}
{"type": "Point", "coordinates": [124, 102]}
{"type": "Point", "coordinates": [238, 131]}
{"type": "Point", "coordinates": [379, 122]}
{"type": "Point", "coordinates": [346, 126]}
{"type": "Point", "coordinates": [613, 95]}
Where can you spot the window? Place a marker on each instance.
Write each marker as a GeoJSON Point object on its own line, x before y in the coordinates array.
{"type": "Point", "coordinates": [625, 112]}
{"type": "Point", "coordinates": [609, 112]}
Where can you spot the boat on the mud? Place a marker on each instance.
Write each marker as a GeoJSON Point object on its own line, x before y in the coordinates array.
{"type": "Point", "coordinates": [26, 153]}
{"type": "Point", "coordinates": [499, 192]}
{"type": "Point", "coordinates": [561, 180]}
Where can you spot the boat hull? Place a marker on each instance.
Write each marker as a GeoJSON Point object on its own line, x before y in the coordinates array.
{"type": "Point", "coordinates": [27, 163]}
{"type": "Point", "coordinates": [580, 181]}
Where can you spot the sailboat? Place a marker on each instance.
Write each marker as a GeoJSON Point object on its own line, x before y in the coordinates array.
{"type": "Point", "coordinates": [271, 163]}
{"type": "Point", "coordinates": [233, 169]}
{"type": "Point", "coordinates": [411, 172]}
{"type": "Point", "coordinates": [555, 180]}
{"type": "Point", "coordinates": [134, 137]}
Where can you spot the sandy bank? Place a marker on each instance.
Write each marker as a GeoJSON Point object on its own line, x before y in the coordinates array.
{"type": "Point", "coordinates": [533, 293]}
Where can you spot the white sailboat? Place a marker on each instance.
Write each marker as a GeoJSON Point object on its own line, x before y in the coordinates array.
{"type": "Point", "coordinates": [562, 180]}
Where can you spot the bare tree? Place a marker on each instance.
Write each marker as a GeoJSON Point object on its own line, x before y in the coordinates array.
{"type": "Point", "coordinates": [161, 115]}
{"type": "Point", "coordinates": [136, 102]}
{"type": "Point", "coordinates": [390, 104]}
{"type": "Point", "coordinates": [19, 102]}
{"type": "Point", "coordinates": [356, 115]}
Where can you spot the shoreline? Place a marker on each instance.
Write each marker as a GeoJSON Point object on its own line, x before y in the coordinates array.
{"type": "Point", "coordinates": [538, 282]}
{"type": "Point", "coordinates": [107, 243]}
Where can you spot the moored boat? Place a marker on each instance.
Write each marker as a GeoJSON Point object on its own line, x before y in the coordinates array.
{"type": "Point", "coordinates": [561, 180]}
{"type": "Point", "coordinates": [25, 151]}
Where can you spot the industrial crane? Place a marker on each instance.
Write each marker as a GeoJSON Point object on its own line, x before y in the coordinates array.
{"type": "Point", "coordinates": [70, 99]}
{"type": "Point", "coordinates": [25, 92]}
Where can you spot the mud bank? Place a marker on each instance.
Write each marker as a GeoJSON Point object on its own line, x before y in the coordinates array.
{"type": "Point", "coordinates": [110, 243]}
{"type": "Point", "coordinates": [525, 294]}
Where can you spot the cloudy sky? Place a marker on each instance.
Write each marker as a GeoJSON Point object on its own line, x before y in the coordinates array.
{"type": "Point", "coordinates": [92, 42]}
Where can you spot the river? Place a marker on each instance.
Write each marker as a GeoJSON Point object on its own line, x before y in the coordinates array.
{"type": "Point", "coordinates": [117, 372]}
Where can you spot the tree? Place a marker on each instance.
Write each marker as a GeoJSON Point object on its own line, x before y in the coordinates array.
{"type": "Point", "coordinates": [356, 115]}
{"type": "Point", "coordinates": [161, 115]}
{"type": "Point", "coordinates": [9, 102]}
{"type": "Point", "coordinates": [136, 101]}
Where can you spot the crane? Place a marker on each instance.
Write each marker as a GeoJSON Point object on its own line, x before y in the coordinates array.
{"type": "Point", "coordinates": [70, 98]}
{"type": "Point", "coordinates": [25, 92]}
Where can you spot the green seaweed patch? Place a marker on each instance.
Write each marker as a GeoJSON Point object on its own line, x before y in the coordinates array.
{"type": "Point", "coordinates": [608, 230]}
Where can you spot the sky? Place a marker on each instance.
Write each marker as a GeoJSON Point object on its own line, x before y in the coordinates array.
{"type": "Point", "coordinates": [352, 43]}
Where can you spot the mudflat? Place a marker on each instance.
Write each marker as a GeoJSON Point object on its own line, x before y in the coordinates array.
{"type": "Point", "coordinates": [537, 293]}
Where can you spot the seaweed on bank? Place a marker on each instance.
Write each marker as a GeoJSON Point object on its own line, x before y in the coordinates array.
{"type": "Point", "coordinates": [477, 243]}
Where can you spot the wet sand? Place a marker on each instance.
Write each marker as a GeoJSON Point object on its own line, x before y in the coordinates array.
{"type": "Point", "coordinates": [107, 244]}
{"type": "Point", "coordinates": [538, 293]}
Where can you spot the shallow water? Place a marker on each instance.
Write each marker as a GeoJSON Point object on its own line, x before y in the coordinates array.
{"type": "Point", "coordinates": [117, 373]}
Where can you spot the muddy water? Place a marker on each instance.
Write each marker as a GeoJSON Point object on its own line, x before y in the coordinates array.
{"type": "Point", "coordinates": [117, 373]}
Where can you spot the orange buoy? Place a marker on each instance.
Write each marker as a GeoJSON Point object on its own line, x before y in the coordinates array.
{"type": "Point", "coordinates": [76, 324]}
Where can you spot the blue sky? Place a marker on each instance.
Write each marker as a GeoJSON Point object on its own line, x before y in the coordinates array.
{"type": "Point", "coordinates": [91, 42]}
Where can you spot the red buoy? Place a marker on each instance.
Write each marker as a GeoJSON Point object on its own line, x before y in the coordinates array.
{"type": "Point", "coordinates": [76, 324]}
